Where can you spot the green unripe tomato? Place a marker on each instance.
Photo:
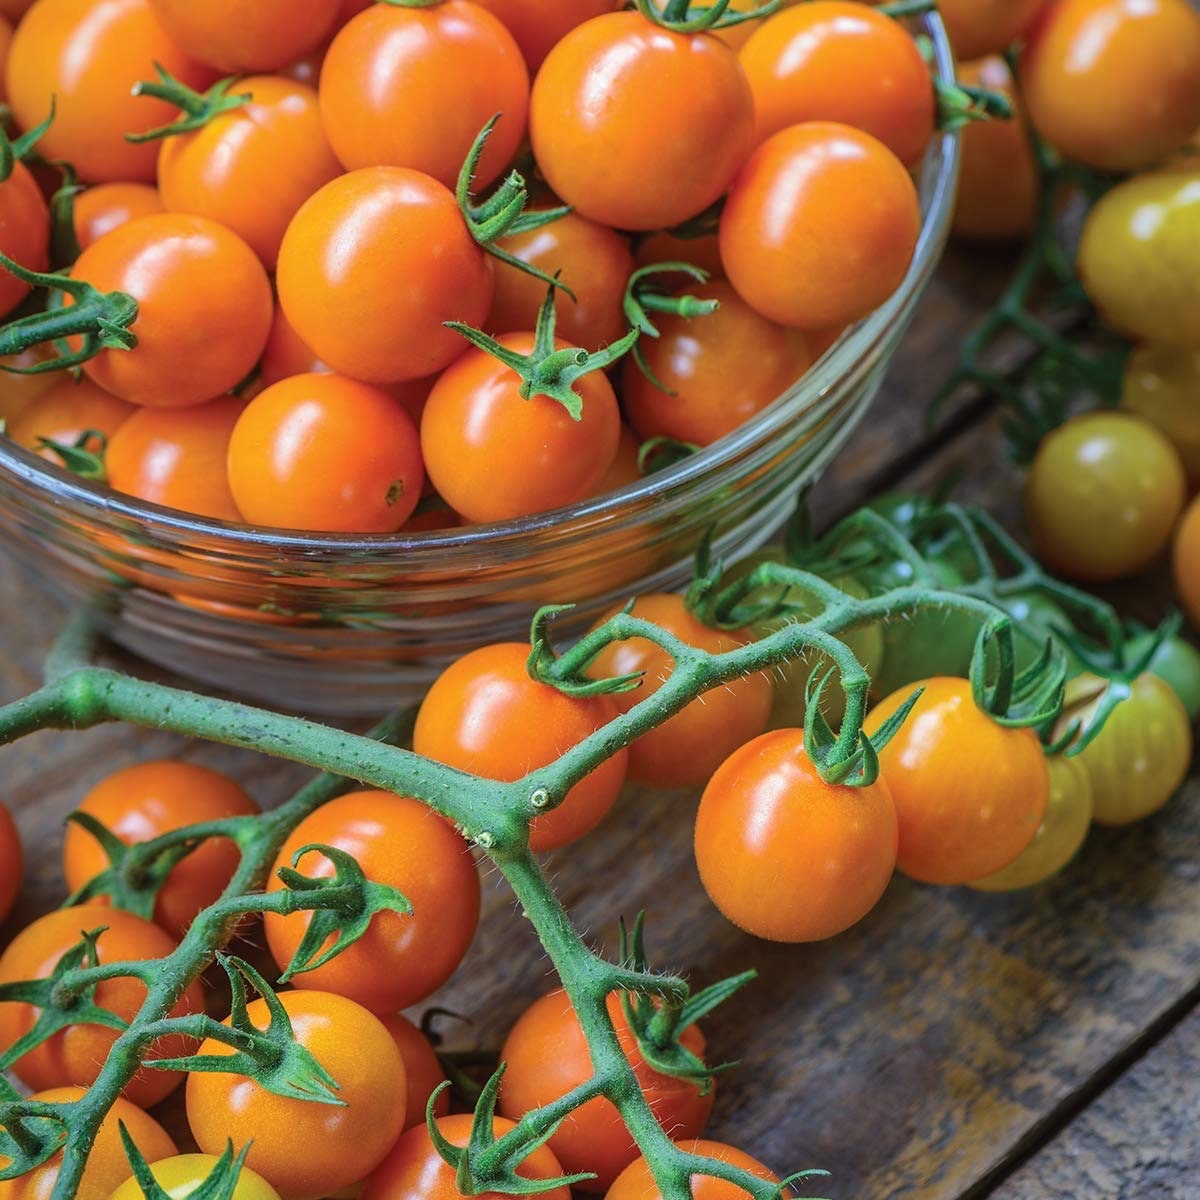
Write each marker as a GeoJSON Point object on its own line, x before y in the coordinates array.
{"type": "Point", "coordinates": [1176, 662]}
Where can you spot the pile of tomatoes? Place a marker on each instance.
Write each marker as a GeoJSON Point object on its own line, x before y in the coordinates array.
{"type": "Point", "coordinates": [307, 268]}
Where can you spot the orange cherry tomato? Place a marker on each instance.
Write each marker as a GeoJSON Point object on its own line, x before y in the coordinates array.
{"type": "Point", "coordinates": [663, 246]}
{"type": "Point", "coordinates": [547, 1055]}
{"type": "Point", "coordinates": [6, 36]}
{"type": "Point", "coordinates": [414, 1170]}
{"type": "Point", "coordinates": [412, 87]}
{"type": "Point", "coordinates": [1114, 84]}
{"type": "Point", "coordinates": [398, 842]}
{"type": "Point", "coordinates": [1185, 562]}
{"type": "Point", "coordinates": [176, 457]}
{"type": "Point", "coordinates": [18, 391]}
{"type": "Point", "coordinates": [833, 60]}
{"type": "Point", "coordinates": [970, 793]}
{"type": "Point", "coordinates": [539, 25]}
{"type": "Point", "coordinates": [251, 167]}
{"type": "Point", "coordinates": [12, 862]}
{"type": "Point", "coordinates": [493, 455]}
{"type": "Point", "coordinates": [371, 268]}
{"type": "Point", "coordinates": [486, 715]}
{"type": "Point", "coordinates": [636, 1182]}
{"type": "Point", "coordinates": [237, 36]}
{"type": "Point", "coordinates": [785, 855]}
{"type": "Point", "coordinates": [322, 452]}
{"type": "Point", "coordinates": [24, 233]}
{"type": "Point", "coordinates": [105, 207]}
{"type": "Point", "coordinates": [304, 1149]}
{"type": "Point", "coordinates": [107, 1165]}
{"type": "Point", "coordinates": [76, 1054]}
{"type": "Point", "coordinates": [64, 413]}
{"type": "Point", "coordinates": [204, 309]}
{"type": "Point", "coordinates": [979, 27]}
{"type": "Point", "coordinates": [625, 469]}
{"type": "Point", "coordinates": [997, 181]}
{"type": "Point", "coordinates": [820, 226]}
{"type": "Point", "coordinates": [423, 1072]}
{"type": "Point", "coordinates": [87, 55]}
{"type": "Point", "coordinates": [595, 262]}
{"type": "Point", "coordinates": [721, 369]}
{"type": "Point", "coordinates": [141, 802]}
{"type": "Point", "coordinates": [637, 127]}
{"type": "Point", "coordinates": [687, 748]}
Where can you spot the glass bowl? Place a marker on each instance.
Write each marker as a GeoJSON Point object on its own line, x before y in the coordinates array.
{"type": "Point", "coordinates": [355, 625]}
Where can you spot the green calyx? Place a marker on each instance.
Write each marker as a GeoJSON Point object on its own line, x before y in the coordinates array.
{"type": "Point", "coordinates": [646, 292]}
{"type": "Point", "coordinates": [220, 1183]}
{"type": "Point", "coordinates": [566, 674]}
{"type": "Point", "coordinates": [196, 109]}
{"type": "Point", "coordinates": [548, 371]}
{"type": "Point", "coordinates": [21, 149]}
{"type": "Point", "coordinates": [33, 1133]}
{"type": "Point", "coordinates": [129, 881]}
{"type": "Point", "coordinates": [81, 460]}
{"type": "Point", "coordinates": [684, 16]}
{"type": "Point", "coordinates": [960, 104]}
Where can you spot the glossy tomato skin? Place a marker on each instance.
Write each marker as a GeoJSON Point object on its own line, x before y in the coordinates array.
{"type": "Point", "coordinates": [539, 25]}
{"type": "Point", "coordinates": [107, 1165]}
{"type": "Point", "coordinates": [1102, 496]}
{"type": "Point", "coordinates": [236, 36]}
{"type": "Point", "coordinates": [182, 1174]}
{"type": "Point", "coordinates": [636, 1182]}
{"type": "Point", "coordinates": [322, 452]}
{"type": "Point", "coordinates": [722, 368]}
{"type": "Point", "coordinates": [595, 262]}
{"type": "Point", "coordinates": [547, 1055]}
{"type": "Point", "coordinates": [423, 1072]}
{"type": "Point", "coordinates": [306, 1150]}
{"type": "Point", "coordinates": [785, 855]}
{"type": "Point", "coordinates": [204, 309]}
{"type": "Point", "coordinates": [620, 99]}
{"type": "Point", "coordinates": [251, 168]}
{"type": "Point", "coordinates": [75, 1055]}
{"type": "Point", "coordinates": [979, 27]}
{"type": "Point", "coordinates": [997, 179]}
{"type": "Point", "coordinates": [107, 206]}
{"type": "Point", "coordinates": [688, 747]}
{"type": "Point", "coordinates": [1185, 562]}
{"type": "Point", "coordinates": [970, 794]}
{"type": "Point", "coordinates": [1139, 256]}
{"type": "Point", "coordinates": [176, 457]}
{"type": "Point", "coordinates": [401, 959]}
{"type": "Point", "coordinates": [485, 715]}
{"type": "Point", "coordinates": [88, 54]}
{"type": "Point", "coordinates": [414, 1170]}
{"type": "Point", "coordinates": [820, 226]}
{"type": "Point", "coordinates": [1160, 386]}
{"type": "Point", "coordinates": [12, 862]}
{"type": "Point", "coordinates": [373, 265]}
{"type": "Point", "coordinates": [64, 413]}
{"type": "Point", "coordinates": [24, 232]}
{"type": "Point", "coordinates": [141, 802]}
{"type": "Point", "coordinates": [493, 455]}
{"type": "Point", "coordinates": [1114, 84]}
{"type": "Point", "coordinates": [663, 246]}
{"type": "Point", "coordinates": [800, 63]}
{"type": "Point", "coordinates": [412, 87]}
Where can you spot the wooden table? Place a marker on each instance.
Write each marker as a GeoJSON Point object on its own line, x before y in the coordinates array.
{"type": "Point", "coordinates": [1026, 1047]}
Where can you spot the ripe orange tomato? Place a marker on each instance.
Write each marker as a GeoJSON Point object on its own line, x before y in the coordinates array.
{"type": "Point", "coordinates": [17, 392]}
{"type": "Point", "coordinates": [398, 842]}
{"type": "Point", "coordinates": [204, 309]}
{"type": "Point", "coordinates": [970, 794]}
{"type": "Point", "coordinates": [721, 369]}
{"type": "Point", "coordinates": [800, 63]}
{"type": "Point", "coordinates": [662, 246]}
{"type": "Point", "coordinates": [250, 168]}
{"type": "Point", "coordinates": [12, 862]}
{"type": "Point", "coordinates": [422, 1070]}
{"type": "Point", "coordinates": [624, 469]}
{"type": "Point", "coordinates": [687, 748]}
{"type": "Point", "coordinates": [547, 1055]}
{"type": "Point", "coordinates": [141, 802]}
{"type": "Point", "coordinates": [304, 1149]}
{"type": "Point", "coordinates": [414, 1170]}
{"type": "Point", "coordinates": [66, 411]}
{"type": "Point", "coordinates": [636, 1182]}
{"type": "Point", "coordinates": [322, 452]}
{"type": "Point", "coordinates": [237, 36]}
{"type": "Point", "coordinates": [820, 226]}
{"type": "Point", "coordinates": [105, 207]}
{"type": "Point", "coordinates": [6, 35]}
{"type": "Point", "coordinates": [979, 27]}
{"type": "Point", "coordinates": [87, 55]}
{"type": "Point", "coordinates": [1185, 562]}
{"type": "Point", "coordinates": [76, 1054]}
{"type": "Point", "coordinates": [176, 457]}
{"type": "Point", "coordinates": [493, 455]}
{"type": "Point", "coordinates": [1114, 84]}
{"type": "Point", "coordinates": [595, 262]}
{"type": "Point", "coordinates": [619, 100]}
{"type": "Point", "coordinates": [382, 249]}
{"type": "Point", "coordinates": [997, 180]}
{"type": "Point", "coordinates": [392, 91]}
{"type": "Point", "coordinates": [539, 25]}
{"type": "Point", "coordinates": [828, 850]}
{"type": "Point", "coordinates": [486, 715]}
{"type": "Point", "coordinates": [24, 233]}
{"type": "Point", "coordinates": [107, 1166]}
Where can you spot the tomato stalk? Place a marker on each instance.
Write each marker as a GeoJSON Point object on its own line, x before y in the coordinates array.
{"type": "Point", "coordinates": [685, 16]}
{"type": "Point", "coordinates": [196, 109]}
{"type": "Point", "coordinates": [646, 293]}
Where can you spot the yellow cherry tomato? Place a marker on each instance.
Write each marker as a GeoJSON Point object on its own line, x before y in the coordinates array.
{"type": "Point", "coordinates": [1162, 386]}
{"type": "Point", "coordinates": [180, 1176]}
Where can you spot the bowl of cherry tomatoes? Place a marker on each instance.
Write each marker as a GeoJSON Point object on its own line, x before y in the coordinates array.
{"type": "Point", "coordinates": [389, 476]}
